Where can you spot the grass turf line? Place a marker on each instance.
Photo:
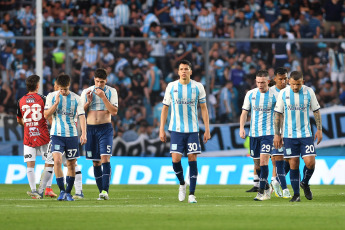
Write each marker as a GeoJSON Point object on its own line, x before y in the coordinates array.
{"type": "Point", "coordinates": [157, 207]}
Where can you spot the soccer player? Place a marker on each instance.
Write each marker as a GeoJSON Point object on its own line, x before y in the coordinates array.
{"type": "Point", "coordinates": [100, 103]}
{"type": "Point", "coordinates": [293, 123]}
{"type": "Point", "coordinates": [261, 102]}
{"type": "Point", "coordinates": [36, 136]}
{"type": "Point", "coordinates": [277, 158]}
{"type": "Point", "coordinates": [184, 95]}
{"type": "Point", "coordinates": [63, 106]}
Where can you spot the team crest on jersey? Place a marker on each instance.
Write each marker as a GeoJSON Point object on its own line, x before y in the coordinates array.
{"type": "Point", "coordinates": [89, 154]}
{"type": "Point", "coordinates": [253, 98]}
{"type": "Point", "coordinates": [288, 151]}
{"type": "Point", "coordinates": [30, 100]}
{"type": "Point", "coordinates": [193, 90]}
{"type": "Point", "coordinates": [173, 146]}
{"type": "Point", "coordinates": [57, 147]}
{"type": "Point", "coordinates": [287, 97]}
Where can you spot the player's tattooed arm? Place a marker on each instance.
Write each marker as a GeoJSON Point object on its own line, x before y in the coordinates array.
{"type": "Point", "coordinates": [317, 116]}
{"type": "Point", "coordinates": [278, 122]}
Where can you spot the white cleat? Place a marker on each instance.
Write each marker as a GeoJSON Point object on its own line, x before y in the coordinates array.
{"type": "Point", "coordinates": [34, 195]}
{"type": "Point", "coordinates": [276, 188]}
{"type": "Point", "coordinates": [182, 192]}
{"type": "Point", "coordinates": [267, 194]}
{"type": "Point", "coordinates": [286, 193]}
{"type": "Point", "coordinates": [258, 196]}
{"type": "Point", "coordinates": [192, 199]}
{"type": "Point", "coordinates": [103, 195]}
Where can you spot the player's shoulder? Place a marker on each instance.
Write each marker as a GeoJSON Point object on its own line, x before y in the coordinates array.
{"type": "Point", "coordinates": [74, 95]}
{"type": "Point", "coordinates": [173, 83]}
{"type": "Point", "coordinates": [109, 88]}
{"type": "Point", "coordinates": [307, 89]}
{"type": "Point", "coordinates": [255, 90]}
{"type": "Point", "coordinates": [52, 94]}
{"type": "Point", "coordinates": [197, 84]}
{"type": "Point", "coordinates": [88, 89]}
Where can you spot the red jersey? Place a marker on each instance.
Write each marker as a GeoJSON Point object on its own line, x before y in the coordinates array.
{"type": "Point", "coordinates": [31, 108]}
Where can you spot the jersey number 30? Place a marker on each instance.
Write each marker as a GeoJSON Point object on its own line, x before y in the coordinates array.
{"type": "Point", "coordinates": [35, 110]}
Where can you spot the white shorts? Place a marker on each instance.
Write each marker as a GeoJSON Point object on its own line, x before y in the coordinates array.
{"type": "Point", "coordinates": [30, 153]}
{"type": "Point", "coordinates": [338, 76]}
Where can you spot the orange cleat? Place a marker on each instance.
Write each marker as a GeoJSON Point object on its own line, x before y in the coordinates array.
{"type": "Point", "coordinates": [49, 192]}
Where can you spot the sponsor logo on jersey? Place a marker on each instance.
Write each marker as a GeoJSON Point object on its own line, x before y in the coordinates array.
{"type": "Point", "coordinates": [34, 131]}
{"type": "Point", "coordinates": [30, 100]}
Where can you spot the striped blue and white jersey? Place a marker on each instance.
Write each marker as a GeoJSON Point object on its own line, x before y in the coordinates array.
{"type": "Point", "coordinates": [97, 103]}
{"type": "Point", "coordinates": [296, 107]}
{"type": "Point", "coordinates": [183, 100]}
{"type": "Point", "coordinates": [336, 66]}
{"type": "Point", "coordinates": [65, 116]}
{"type": "Point", "coordinates": [262, 107]}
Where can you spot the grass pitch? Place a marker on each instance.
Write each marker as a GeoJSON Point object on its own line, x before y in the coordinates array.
{"type": "Point", "coordinates": [157, 207]}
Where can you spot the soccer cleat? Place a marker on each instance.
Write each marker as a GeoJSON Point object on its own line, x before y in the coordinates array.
{"type": "Point", "coordinates": [69, 197]}
{"type": "Point", "coordinates": [307, 192]}
{"type": "Point", "coordinates": [192, 199]}
{"type": "Point", "coordinates": [79, 196]}
{"type": "Point", "coordinates": [182, 192]}
{"type": "Point", "coordinates": [276, 188]}
{"type": "Point", "coordinates": [259, 196]}
{"type": "Point", "coordinates": [253, 189]}
{"type": "Point", "coordinates": [295, 198]}
{"type": "Point", "coordinates": [49, 192]}
{"type": "Point", "coordinates": [34, 195]}
{"type": "Point", "coordinates": [286, 193]}
{"type": "Point", "coordinates": [267, 194]}
{"type": "Point", "coordinates": [103, 195]}
{"type": "Point", "coordinates": [62, 196]}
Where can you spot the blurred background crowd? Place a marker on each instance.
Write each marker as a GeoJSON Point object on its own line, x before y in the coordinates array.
{"type": "Point", "coordinates": [141, 70]}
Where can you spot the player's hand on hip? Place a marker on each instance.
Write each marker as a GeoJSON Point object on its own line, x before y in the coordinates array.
{"type": "Point", "coordinates": [242, 133]}
{"type": "Point", "coordinates": [207, 136]}
{"type": "Point", "coordinates": [162, 135]}
{"type": "Point", "coordinates": [83, 139]}
{"type": "Point", "coordinates": [277, 141]}
{"type": "Point", "coordinates": [99, 92]}
{"type": "Point", "coordinates": [318, 136]}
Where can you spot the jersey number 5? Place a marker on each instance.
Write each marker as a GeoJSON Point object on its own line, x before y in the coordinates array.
{"type": "Point", "coordinates": [35, 110]}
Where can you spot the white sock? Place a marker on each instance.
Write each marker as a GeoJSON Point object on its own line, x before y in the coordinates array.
{"type": "Point", "coordinates": [78, 183]}
{"type": "Point", "coordinates": [50, 181]}
{"type": "Point", "coordinates": [46, 175]}
{"type": "Point", "coordinates": [256, 181]}
{"type": "Point", "coordinates": [31, 178]}
{"type": "Point", "coordinates": [273, 179]}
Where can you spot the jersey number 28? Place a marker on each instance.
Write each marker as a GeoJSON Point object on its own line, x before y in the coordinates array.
{"type": "Point", "coordinates": [35, 110]}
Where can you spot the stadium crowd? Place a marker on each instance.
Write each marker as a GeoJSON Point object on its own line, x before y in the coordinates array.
{"type": "Point", "coordinates": [140, 71]}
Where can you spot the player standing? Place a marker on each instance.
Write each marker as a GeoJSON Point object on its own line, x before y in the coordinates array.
{"type": "Point", "coordinates": [30, 110]}
{"type": "Point", "coordinates": [64, 106]}
{"type": "Point", "coordinates": [277, 158]}
{"type": "Point", "coordinates": [184, 95]}
{"type": "Point", "coordinates": [261, 102]}
{"type": "Point", "coordinates": [100, 103]}
{"type": "Point", "coordinates": [292, 108]}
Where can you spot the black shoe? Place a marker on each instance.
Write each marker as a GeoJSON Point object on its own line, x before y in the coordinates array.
{"type": "Point", "coordinates": [295, 198]}
{"type": "Point", "coordinates": [254, 189]}
{"type": "Point", "coordinates": [307, 193]}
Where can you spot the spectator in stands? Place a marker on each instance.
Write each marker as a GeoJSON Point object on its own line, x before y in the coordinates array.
{"type": "Point", "coordinates": [5, 32]}
{"type": "Point", "coordinates": [157, 47]}
{"type": "Point", "coordinates": [336, 64]}
{"type": "Point", "coordinates": [162, 11]}
{"type": "Point", "coordinates": [19, 86]}
{"type": "Point", "coordinates": [4, 56]}
{"type": "Point", "coordinates": [332, 10]}
{"type": "Point", "coordinates": [242, 29]}
{"type": "Point", "coordinates": [237, 75]}
{"type": "Point", "coordinates": [225, 103]}
{"type": "Point", "coordinates": [178, 15]}
{"type": "Point", "coordinates": [106, 58]}
{"type": "Point", "coordinates": [90, 59]}
{"type": "Point", "coordinates": [272, 14]}
{"type": "Point", "coordinates": [154, 76]}
{"type": "Point", "coordinates": [147, 18]}
{"type": "Point", "coordinates": [5, 95]}
{"type": "Point", "coordinates": [328, 94]}
{"type": "Point", "coordinates": [281, 52]}
{"type": "Point", "coordinates": [122, 12]}
{"type": "Point", "coordinates": [206, 24]}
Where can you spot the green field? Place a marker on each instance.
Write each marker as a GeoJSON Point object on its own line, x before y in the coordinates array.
{"type": "Point", "coordinates": [157, 207]}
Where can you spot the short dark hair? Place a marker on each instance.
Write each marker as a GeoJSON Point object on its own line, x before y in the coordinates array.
{"type": "Point", "coordinates": [185, 62]}
{"type": "Point", "coordinates": [32, 82]}
{"type": "Point", "coordinates": [63, 80]}
{"type": "Point", "coordinates": [296, 75]}
{"type": "Point", "coordinates": [101, 73]}
{"type": "Point", "coordinates": [262, 73]}
{"type": "Point", "coordinates": [280, 71]}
